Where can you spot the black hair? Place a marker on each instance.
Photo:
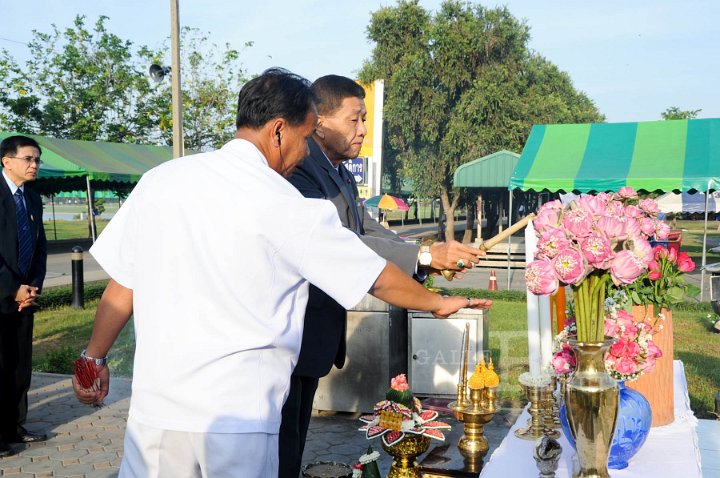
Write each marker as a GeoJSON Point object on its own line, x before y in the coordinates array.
{"type": "Point", "coordinates": [276, 93]}
{"type": "Point", "coordinates": [9, 146]}
{"type": "Point", "coordinates": [331, 90]}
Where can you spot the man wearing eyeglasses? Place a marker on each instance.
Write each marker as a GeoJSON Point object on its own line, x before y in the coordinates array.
{"type": "Point", "coordinates": [23, 258]}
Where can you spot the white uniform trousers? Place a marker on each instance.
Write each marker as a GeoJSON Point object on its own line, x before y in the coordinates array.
{"type": "Point", "coordinates": [156, 453]}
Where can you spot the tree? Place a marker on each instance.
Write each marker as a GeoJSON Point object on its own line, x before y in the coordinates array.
{"type": "Point", "coordinates": [92, 85]}
{"type": "Point", "coordinates": [77, 84]}
{"type": "Point", "coordinates": [211, 78]}
{"type": "Point", "coordinates": [460, 85]}
{"type": "Point", "coordinates": [675, 113]}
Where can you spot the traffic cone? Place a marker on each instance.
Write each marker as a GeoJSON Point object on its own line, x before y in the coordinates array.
{"type": "Point", "coordinates": [493, 281]}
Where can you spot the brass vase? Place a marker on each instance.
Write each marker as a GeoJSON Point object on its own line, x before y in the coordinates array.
{"type": "Point", "coordinates": [404, 454]}
{"type": "Point", "coordinates": [592, 401]}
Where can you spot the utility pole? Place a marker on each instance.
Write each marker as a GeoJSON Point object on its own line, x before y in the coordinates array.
{"type": "Point", "coordinates": [177, 115]}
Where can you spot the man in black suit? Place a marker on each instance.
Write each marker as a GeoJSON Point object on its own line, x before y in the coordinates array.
{"type": "Point", "coordinates": [23, 258]}
{"type": "Point", "coordinates": [338, 137]}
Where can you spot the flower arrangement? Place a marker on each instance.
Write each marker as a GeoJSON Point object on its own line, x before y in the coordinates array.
{"type": "Point", "coordinates": [663, 284]}
{"type": "Point", "coordinates": [634, 352]}
{"type": "Point", "coordinates": [593, 243]}
{"type": "Point", "coordinates": [400, 414]}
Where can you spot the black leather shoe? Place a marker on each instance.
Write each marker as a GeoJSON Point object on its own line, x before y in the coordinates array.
{"type": "Point", "coordinates": [27, 437]}
{"type": "Point", "coordinates": [5, 449]}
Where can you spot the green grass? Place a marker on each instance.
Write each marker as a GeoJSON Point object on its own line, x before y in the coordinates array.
{"type": "Point", "coordinates": [61, 333]}
{"type": "Point", "coordinates": [71, 229]}
{"type": "Point", "coordinates": [699, 349]}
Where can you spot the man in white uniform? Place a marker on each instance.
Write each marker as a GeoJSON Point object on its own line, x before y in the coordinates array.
{"type": "Point", "coordinates": [212, 253]}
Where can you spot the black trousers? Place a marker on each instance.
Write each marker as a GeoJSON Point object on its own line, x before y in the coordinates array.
{"type": "Point", "coordinates": [16, 332]}
{"type": "Point", "coordinates": [295, 422]}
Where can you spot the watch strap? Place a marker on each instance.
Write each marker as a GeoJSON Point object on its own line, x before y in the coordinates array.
{"type": "Point", "coordinates": [98, 361]}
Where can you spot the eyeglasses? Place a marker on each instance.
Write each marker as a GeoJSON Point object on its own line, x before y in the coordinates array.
{"type": "Point", "coordinates": [29, 159]}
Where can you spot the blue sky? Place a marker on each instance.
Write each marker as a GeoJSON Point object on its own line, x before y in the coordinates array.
{"type": "Point", "coordinates": [633, 58]}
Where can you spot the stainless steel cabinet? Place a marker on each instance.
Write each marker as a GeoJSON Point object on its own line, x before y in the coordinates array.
{"type": "Point", "coordinates": [434, 349]}
{"type": "Point", "coordinates": [377, 346]}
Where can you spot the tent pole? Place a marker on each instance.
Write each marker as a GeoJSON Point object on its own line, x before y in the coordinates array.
{"type": "Point", "coordinates": [52, 202]}
{"type": "Point", "coordinates": [479, 217]}
{"type": "Point", "coordinates": [91, 218]}
{"type": "Point", "coordinates": [704, 252]}
{"type": "Point", "coordinates": [509, 243]}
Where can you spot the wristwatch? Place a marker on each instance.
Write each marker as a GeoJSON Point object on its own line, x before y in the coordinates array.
{"type": "Point", "coordinates": [98, 361]}
{"type": "Point", "coordinates": [425, 258]}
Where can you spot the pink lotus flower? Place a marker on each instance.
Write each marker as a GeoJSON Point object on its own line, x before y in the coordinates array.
{"type": "Point", "coordinates": [546, 219]}
{"type": "Point", "coordinates": [633, 211]}
{"type": "Point", "coordinates": [662, 231]}
{"type": "Point", "coordinates": [593, 205]}
{"type": "Point", "coordinates": [632, 228]}
{"type": "Point", "coordinates": [569, 265]}
{"type": "Point", "coordinates": [613, 227]}
{"type": "Point", "coordinates": [605, 197]}
{"type": "Point", "coordinates": [650, 206]}
{"type": "Point", "coordinates": [578, 222]}
{"type": "Point", "coordinates": [597, 250]}
{"type": "Point", "coordinates": [627, 192]}
{"type": "Point", "coordinates": [551, 241]}
{"type": "Point", "coordinates": [626, 267]}
{"type": "Point", "coordinates": [615, 209]}
{"type": "Point", "coordinates": [647, 226]}
{"type": "Point", "coordinates": [540, 278]}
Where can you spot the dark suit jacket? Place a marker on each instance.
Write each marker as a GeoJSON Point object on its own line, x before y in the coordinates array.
{"type": "Point", "coordinates": [323, 340]}
{"type": "Point", "coordinates": [10, 276]}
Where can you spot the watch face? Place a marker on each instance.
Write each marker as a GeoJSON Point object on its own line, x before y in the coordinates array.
{"type": "Point", "coordinates": [425, 258]}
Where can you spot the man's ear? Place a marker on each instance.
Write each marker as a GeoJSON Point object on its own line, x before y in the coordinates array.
{"type": "Point", "coordinates": [319, 128]}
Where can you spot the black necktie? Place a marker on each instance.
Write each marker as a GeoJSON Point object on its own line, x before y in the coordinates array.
{"type": "Point", "coordinates": [23, 233]}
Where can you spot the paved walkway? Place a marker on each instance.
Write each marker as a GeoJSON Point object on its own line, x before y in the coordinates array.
{"type": "Point", "coordinates": [88, 442]}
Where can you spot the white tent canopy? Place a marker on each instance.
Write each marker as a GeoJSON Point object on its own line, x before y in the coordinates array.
{"type": "Point", "coordinates": [689, 203]}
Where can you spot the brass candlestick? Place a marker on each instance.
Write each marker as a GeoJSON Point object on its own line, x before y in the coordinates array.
{"type": "Point", "coordinates": [536, 391]}
{"type": "Point", "coordinates": [479, 409]}
{"type": "Point", "coordinates": [552, 408]}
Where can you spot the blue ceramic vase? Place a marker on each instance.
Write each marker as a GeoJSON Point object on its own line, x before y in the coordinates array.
{"type": "Point", "coordinates": [633, 425]}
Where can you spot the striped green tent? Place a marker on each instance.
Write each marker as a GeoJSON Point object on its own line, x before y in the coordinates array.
{"type": "Point", "coordinates": [491, 171]}
{"type": "Point", "coordinates": [679, 156]}
{"type": "Point", "coordinates": [94, 160]}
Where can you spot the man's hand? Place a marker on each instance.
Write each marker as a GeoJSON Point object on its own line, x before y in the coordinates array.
{"type": "Point", "coordinates": [99, 390]}
{"type": "Point", "coordinates": [452, 304]}
{"type": "Point", "coordinates": [25, 296]}
{"type": "Point", "coordinates": [454, 256]}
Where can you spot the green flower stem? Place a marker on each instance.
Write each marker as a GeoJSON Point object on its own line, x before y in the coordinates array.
{"type": "Point", "coordinates": [589, 298]}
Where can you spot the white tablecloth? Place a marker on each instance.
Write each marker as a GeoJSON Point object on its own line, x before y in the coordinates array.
{"type": "Point", "coordinates": [670, 451]}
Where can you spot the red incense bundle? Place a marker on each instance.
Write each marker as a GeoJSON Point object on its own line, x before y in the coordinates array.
{"type": "Point", "coordinates": [86, 373]}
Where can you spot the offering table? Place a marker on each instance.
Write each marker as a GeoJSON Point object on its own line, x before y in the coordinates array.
{"type": "Point", "coordinates": [670, 451]}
